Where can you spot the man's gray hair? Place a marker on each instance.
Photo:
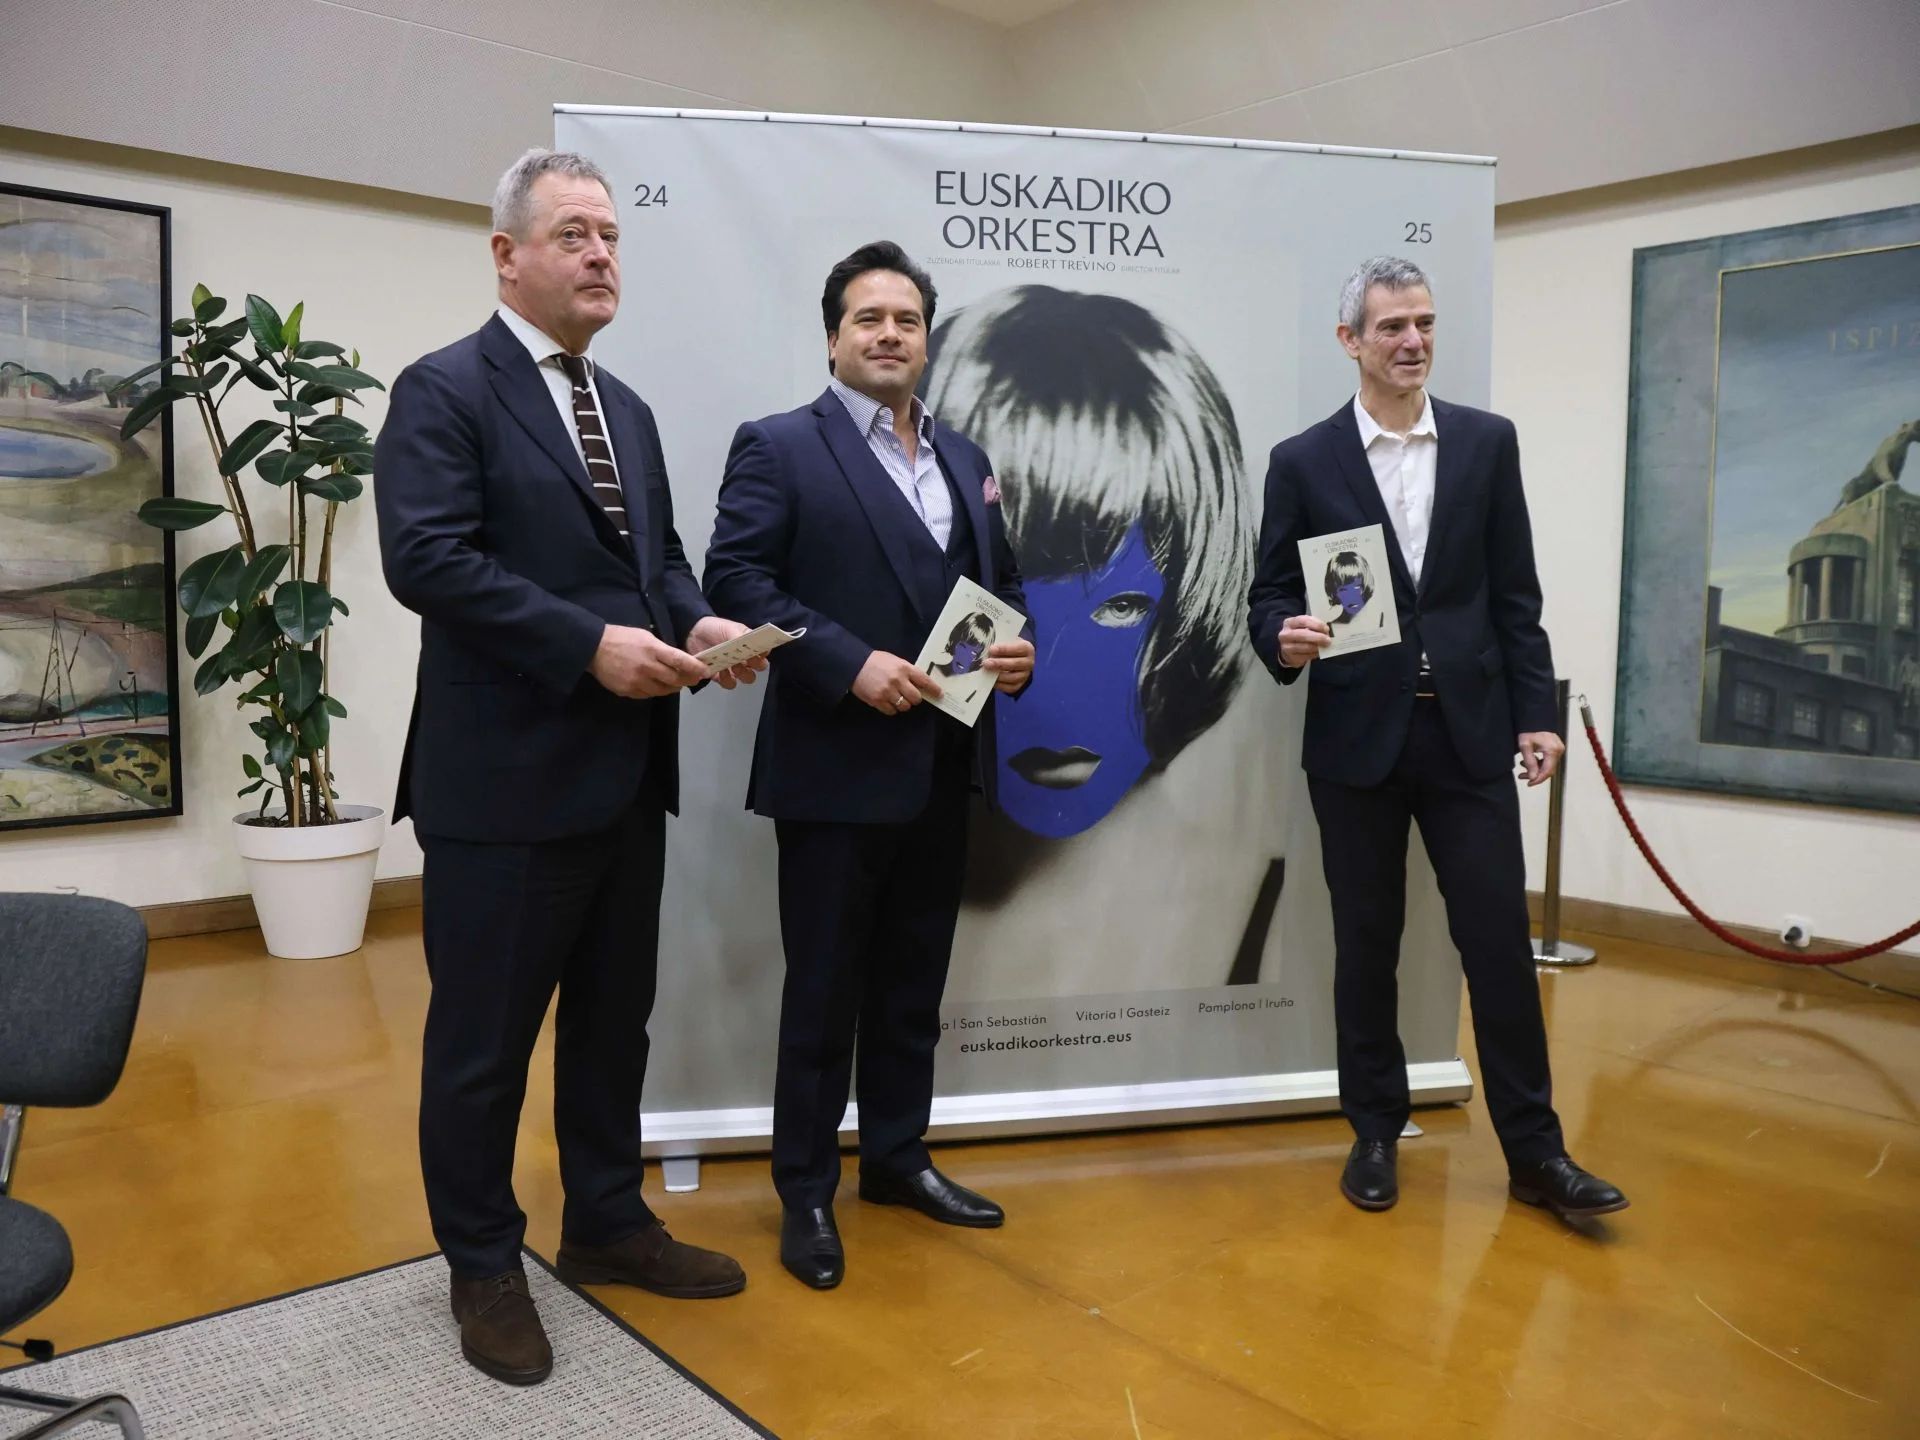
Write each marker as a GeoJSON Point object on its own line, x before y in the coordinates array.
{"type": "Point", "coordinates": [513, 196]}
{"type": "Point", "coordinates": [1386, 270]}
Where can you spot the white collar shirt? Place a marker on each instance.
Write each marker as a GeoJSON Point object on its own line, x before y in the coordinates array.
{"type": "Point", "coordinates": [1404, 467]}
{"type": "Point", "coordinates": [546, 353]}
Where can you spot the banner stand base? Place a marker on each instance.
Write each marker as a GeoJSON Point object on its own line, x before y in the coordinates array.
{"type": "Point", "coordinates": [679, 1137]}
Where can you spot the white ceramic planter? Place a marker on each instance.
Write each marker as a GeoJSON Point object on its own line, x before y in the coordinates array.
{"type": "Point", "coordinates": [311, 885]}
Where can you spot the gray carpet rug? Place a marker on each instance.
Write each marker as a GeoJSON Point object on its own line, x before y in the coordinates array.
{"type": "Point", "coordinates": [377, 1357]}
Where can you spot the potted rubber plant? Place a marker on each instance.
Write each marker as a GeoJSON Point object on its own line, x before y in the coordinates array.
{"type": "Point", "coordinates": [260, 611]}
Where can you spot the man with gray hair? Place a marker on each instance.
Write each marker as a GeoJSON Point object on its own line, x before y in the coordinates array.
{"type": "Point", "coordinates": [1424, 731]}
{"type": "Point", "coordinates": [525, 516]}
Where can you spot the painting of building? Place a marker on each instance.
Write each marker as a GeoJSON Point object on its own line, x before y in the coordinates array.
{"type": "Point", "coordinates": [1770, 610]}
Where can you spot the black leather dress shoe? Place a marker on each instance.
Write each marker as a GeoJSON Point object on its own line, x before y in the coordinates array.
{"type": "Point", "coordinates": [1369, 1180]}
{"type": "Point", "coordinates": [1563, 1187]}
{"type": "Point", "coordinates": [933, 1195]}
{"type": "Point", "coordinates": [810, 1248]}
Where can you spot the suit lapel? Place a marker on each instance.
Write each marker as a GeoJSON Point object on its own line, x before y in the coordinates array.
{"type": "Point", "coordinates": [972, 498]}
{"type": "Point", "coordinates": [518, 383]}
{"type": "Point", "coordinates": [1450, 464]}
{"type": "Point", "coordinates": [630, 458]}
{"type": "Point", "coordinates": [1352, 458]}
{"type": "Point", "coordinates": [886, 508]}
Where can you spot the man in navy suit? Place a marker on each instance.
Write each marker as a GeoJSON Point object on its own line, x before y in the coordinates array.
{"type": "Point", "coordinates": [524, 514]}
{"type": "Point", "coordinates": [1424, 731]}
{"type": "Point", "coordinates": [855, 516]}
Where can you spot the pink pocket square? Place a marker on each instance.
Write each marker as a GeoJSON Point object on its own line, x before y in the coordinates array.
{"type": "Point", "coordinates": [990, 490]}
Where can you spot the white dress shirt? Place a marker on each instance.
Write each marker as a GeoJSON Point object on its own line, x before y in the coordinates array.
{"type": "Point", "coordinates": [1404, 468]}
{"type": "Point", "coordinates": [919, 479]}
{"type": "Point", "coordinates": [546, 352]}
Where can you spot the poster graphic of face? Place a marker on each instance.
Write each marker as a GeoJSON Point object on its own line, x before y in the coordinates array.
{"type": "Point", "coordinates": [1122, 481]}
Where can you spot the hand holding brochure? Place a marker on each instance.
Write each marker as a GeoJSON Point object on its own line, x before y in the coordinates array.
{"type": "Point", "coordinates": [1350, 586]}
{"type": "Point", "coordinates": [743, 648]}
{"type": "Point", "coordinates": [971, 622]}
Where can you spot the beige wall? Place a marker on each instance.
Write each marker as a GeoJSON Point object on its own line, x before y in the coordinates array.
{"type": "Point", "coordinates": [377, 271]}
{"type": "Point", "coordinates": [435, 97]}
{"type": "Point", "coordinates": [1568, 94]}
{"type": "Point", "coordinates": [1563, 286]}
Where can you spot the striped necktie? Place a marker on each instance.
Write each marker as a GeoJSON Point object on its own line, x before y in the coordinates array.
{"type": "Point", "coordinates": [594, 443]}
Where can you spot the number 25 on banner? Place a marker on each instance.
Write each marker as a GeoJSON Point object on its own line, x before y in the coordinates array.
{"type": "Point", "coordinates": [647, 196]}
{"type": "Point", "coordinates": [1419, 232]}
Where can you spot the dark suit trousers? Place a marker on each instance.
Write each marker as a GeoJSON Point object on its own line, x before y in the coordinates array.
{"type": "Point", "coordinates": [867, 915]}
{"type": "Point", "coordinates": [504, 925]}
{"type": "Point", "coordinates": [1472, 833]}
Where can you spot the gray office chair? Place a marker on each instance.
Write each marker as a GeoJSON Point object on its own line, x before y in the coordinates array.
{"type": "Point", "coordinates": [71, 968]}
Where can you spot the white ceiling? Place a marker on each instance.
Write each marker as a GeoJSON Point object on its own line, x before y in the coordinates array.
{"type": "Point", "coordinates": [1004, 12]}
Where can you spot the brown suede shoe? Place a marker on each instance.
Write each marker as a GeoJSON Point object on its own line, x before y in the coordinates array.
{"type": "Point", "coordinates": [500, 1330]}
{"type": "Point", "coordinates": [653, 1260]}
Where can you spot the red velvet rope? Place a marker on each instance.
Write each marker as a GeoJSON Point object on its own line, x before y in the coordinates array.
{"type": "Point", "coordinates": [1765, 952]}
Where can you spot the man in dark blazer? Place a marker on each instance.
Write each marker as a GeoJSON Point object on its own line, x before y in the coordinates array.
{"type": "Point", "coordinates": [524, 514]}
{"type": "Point", "coordinates": [854, 517]}
{"type": "Point", "coordinates": [1424, 731]}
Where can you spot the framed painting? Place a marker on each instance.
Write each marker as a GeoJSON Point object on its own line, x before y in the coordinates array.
{"type": "Point", "coordinates": [89, 722]}
{"type": "Point", "coordinates": [1770, 595]}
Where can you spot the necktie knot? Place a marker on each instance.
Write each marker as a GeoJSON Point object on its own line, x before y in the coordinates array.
{"type": "Point", "coordinates": [576, 368]}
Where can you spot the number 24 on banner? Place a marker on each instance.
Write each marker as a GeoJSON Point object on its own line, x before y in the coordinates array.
{"type": "Point", "coordinates": [650, 195]}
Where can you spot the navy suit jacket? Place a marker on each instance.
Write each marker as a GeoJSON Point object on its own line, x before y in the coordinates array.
{"type": "Point", "coordinates": [490, 532]}
{"type": "Point", "coordinates": [813, 532]}
{"type": "Point", "coordinates": [1476, 610]}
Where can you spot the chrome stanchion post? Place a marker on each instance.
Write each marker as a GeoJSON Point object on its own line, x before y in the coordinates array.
{"type": "Point", "coordinates": [1548, 947]}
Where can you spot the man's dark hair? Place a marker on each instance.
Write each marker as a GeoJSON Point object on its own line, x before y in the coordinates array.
{"type": "Point", "coordinates": [880, 255]}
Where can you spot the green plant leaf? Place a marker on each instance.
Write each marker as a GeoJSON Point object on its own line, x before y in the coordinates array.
{"type": "Point", "coordinates": [248, 790]}
{"type": "Point", "coordinates": [170, 512]}
{"type": "Point", "coordinates": [316, 350]}
{"type": "Point", "coordinates": [279, 467]}
{"type": "Point", "coordinates": [214, 375]}
{"type": "Point", "coordinates": [267, 564]}
{"type": "Point", "coordinates": [265, 323]}
{"type": "Point", "coordinates": [335, 708]}
{"type": "Point", "coordinates": [337, 488]}
{"type": "Point", "coordinates": [290, 332]}
{"type": "Point", "coordinates": [207, 309]}
{"type": "Point", "coordinates": [341, 606]}
{"type": "Point", "coordinates": [348, 378]}
{"type": "Point", "coordinates": [249, 443]}
{"type": "Point", "coordinates": [280, 746]}
{"type": "Point", "coordinates": [298, 672]}
{"type": "Point", "coordinates": [210, 584]}
{"type": "Point", "coordinates": [223, 346]}
{"type": "Point", "coordinates": [359, 452]}
{"type": "Point", "coordinates": [200, 632]}
{"type": "Point", "coordinates": [201, 294]}
{"type": "Point", "coordinates": [211, 675]}
{"type": "Point", "coordinates": [320, 394]}
{"type": "Point", "coordinates": [182, 328]}
{"type": "Point", "coordinates": [303, 609]}
{"type": "Point", "coordinates": [141, 374]}
{"type": "Point", "coordinates": [301, 370]}
{"type": "Point", "coordinates": [143, 413]}
{"type": "Point", "coordinates": [251, 766]}
{"type": "Point", "coordinates": [254, 640]}
{"type": "Point", "coordinates": [315, 727]}
{"type": "Point", "coordinates": [297, 408]}
{"type": "Point", "coordinates": [338, 428]}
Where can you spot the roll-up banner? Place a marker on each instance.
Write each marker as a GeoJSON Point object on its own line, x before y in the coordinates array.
{"type": "Point", "coordinates": [1126, 324]}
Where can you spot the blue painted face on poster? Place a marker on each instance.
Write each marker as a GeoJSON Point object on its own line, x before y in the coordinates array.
{"type": "Point", "coordinates": [1075, 742]}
